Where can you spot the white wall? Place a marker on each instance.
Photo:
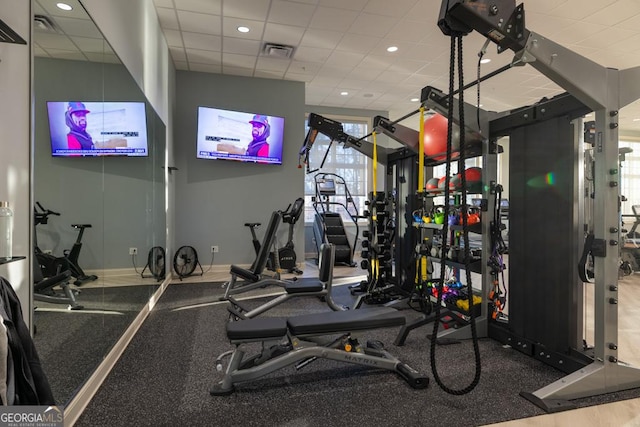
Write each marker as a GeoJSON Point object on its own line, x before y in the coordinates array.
{"type": "Point", "coordinates": [16, 142]}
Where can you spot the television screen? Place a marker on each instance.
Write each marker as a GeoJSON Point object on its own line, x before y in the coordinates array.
{"type": "Point", "coordinates": [97, 128]}
{"type": "Point", "coordinates": [240, 136]}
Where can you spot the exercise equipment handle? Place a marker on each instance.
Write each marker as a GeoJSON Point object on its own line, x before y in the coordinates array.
{"type": "Point", "coordinates": [46, 211]}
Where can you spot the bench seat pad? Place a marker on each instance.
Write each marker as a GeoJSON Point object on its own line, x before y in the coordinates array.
{"type": "Point", "coordinates": [257, 328]}
{"type": "Point", "coordinates": [345, 321]}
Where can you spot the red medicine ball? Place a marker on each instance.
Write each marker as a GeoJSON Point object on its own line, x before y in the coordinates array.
{"type": "Point", "coordinates": [435, 138]}
{"type": "Point", "coordinates": [432, 184]}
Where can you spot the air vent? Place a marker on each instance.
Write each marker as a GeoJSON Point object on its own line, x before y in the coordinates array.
{"type": "Point", "coordinates": [44, 23]}
{"type": "Point", "coordinates": [278, 50]}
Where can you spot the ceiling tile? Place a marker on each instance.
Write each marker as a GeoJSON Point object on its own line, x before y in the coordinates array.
{"type": "Point", "coordinates": [73, 55]}
{"type": "Point", "coordinates": [373, 25]}
{"type": "Point", "coordinates": [240, 46]}
{"type": "Point", "coordinates": [283, 34]}
{"type": "Point", "coordinates": [397, 8]}
{"type": "Point", "coordinates": [173, 38]}
{"type": "Point", "coordinates": [178, 54]}
{"type": "Point", "coordinates": [237, 71]}
{"type": "Point", "coordinates": [272, 64]}
{"type": "Point", "coordinates": [249, 9]}
{"type": "Point", "coordinates": [212, 7]}
{"type": "Point", "coordinates": [286, 12]}
{"type": "Point", "coordinates": [202, 41]}
{"type": "Point", "coordinates": [329, 18]}
{"type": "Point", "coordinates": [321, 38]}
{"type": "Point", "coordinates": [542, 6]}
{"type": "Point", "coordinates": [230, 28]}
{"type": "Point", "coordinates": [54, 41]}
{"type": "Point", "coordinates": [199, 23]}
{"type": "Point", "coordinates": [603, 39]}
{"type": "Point", "coordinates": [289, 75]}
{"type": "Point", "coordinates": [204, 57]}
{"type": "Point", "coordinates": [91, 45]}
{"type": "Point", "coordinates": [103, 58]}
{"type": "Point", "coordinates": [344, 59]}
{"type": "Point", "coordinates": [356, 5]}
{"type": "Point", "coordinates": [375, 62]}
{"type": "Point", "coordinates": [241, 61]}
{"type": "Point", "coordinates": [181, 65]}
{"type": "Point", "coordinates": [269, 74]}
{"type": "Point", "coordinates": [302, 67]}
{"type": "Point", "coordinates": [168, 18]}
{"type": "Point", "coordinates": [205, 68]}
{"type": "Point", "coordinates": [631, 23]}
{"type": "Point", "coordinates": [163, 3]}
{"type": "Point", "coordinates": [364, 73]}
{"type": "Point", "coordinates": [78, 27]}
{"type": "Point", "coordinates": [312, 54]}
{"type": "Point", "coordinates": [358, 43]}
{"type": "Point", "coordinates": [614, 13]}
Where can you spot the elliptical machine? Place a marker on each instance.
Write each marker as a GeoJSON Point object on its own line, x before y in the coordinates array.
{"type": "Point", "coordinates": [72, 255]}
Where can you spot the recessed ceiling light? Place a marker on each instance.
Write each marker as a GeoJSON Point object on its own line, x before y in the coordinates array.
{"type": "Point", "coordinates": [392, 48]}
{"type": "Point", "coordinates": [415, 99]}
{"type": "Point", "coordinates": [344, 93]}
{"type": "Point", "coordinates": [485, 60]}
{"type": "Point", "coordinates": [64, 6]}
{"type": "Point", "coordinates": [636, 120]}
{"type": "Point", "coordinates": [243, 29]}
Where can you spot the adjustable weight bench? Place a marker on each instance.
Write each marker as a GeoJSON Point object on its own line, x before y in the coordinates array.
{"type": "Point", "coordinates": [320, 287]}
{"type": "Point", "coordinates": [297, 340]}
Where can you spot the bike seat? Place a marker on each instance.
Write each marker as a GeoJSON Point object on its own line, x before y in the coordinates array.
{"type": "Point", "coordinates": [252, 224]}
{"type": "Point", "coordinates": [81, 225]}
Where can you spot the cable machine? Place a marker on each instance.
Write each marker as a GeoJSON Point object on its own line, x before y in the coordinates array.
{"type": "Point", "coordinates": [604, 91]}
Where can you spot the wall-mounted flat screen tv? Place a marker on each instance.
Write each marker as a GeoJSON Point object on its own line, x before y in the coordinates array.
{"type": "Point", "coordinates": [83, 129]}
{"type": "Point", "coordinates": [239, 136]}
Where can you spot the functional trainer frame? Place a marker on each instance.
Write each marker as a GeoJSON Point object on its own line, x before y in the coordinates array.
{"type": "Point", "coordinates": [604, 91]}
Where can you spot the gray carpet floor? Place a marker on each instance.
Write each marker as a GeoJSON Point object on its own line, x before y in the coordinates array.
{"type": "Point", "coordinates": [164, 377]}
{"type": "Point", "coordinates": [71, 344]}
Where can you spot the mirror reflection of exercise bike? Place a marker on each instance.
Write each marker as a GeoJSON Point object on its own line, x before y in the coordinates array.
{"type": "Point", "coordinates": [52, 274]}
{"type": "Point", "coordinates": [71, 256]}
{"type": "Point", "coordinates": [281, 258]}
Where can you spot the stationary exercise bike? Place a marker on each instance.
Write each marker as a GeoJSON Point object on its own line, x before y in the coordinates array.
{"type": "Point", "coordinates": [281, 258]}
{"type": "Point", "coordinates": [72, 255]}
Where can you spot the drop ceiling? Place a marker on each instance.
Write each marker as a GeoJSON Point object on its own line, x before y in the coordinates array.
{"type": "Point", "coordinates": [340, 46]}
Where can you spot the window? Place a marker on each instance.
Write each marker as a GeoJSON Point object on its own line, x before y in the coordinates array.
{"type": "Point", "coordinates": [351, 165]}
{"type": "Point", "coordinates": [630, 176]}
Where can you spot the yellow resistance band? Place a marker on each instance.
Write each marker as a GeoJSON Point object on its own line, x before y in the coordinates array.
{"type": "Point", "coordinates": [421, 153]}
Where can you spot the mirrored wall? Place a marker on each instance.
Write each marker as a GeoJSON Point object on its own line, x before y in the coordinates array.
{"type": "Point", "coordinates": [98, 174]}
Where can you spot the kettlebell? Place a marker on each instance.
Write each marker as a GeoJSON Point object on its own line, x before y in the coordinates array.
{"type": "Point", "coordinates": [438, 214]}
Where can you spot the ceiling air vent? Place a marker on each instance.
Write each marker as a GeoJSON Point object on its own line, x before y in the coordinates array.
{"type": "Point", "coordinates": [278, 50]}
{"type": "Point", "coordinates": [44, 23]}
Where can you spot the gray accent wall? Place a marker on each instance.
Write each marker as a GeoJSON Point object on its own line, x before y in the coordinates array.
{"type": "Point", "coordinates": [214, 198]}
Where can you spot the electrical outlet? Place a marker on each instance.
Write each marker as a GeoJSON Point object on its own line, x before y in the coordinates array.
{"type": "Point", "coordinates": [133, 251]}
{"type": "Point", "coordinates": [215, 249]}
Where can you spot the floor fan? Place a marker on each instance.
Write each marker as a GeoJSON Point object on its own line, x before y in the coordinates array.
{"type": "Point", "coordinates": [155, 263]}
{"type": "Point", "coordinates": [185, 261]}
